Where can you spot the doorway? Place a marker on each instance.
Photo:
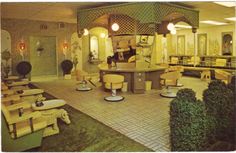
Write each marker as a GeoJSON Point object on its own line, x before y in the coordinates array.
{"type": "Point", "coordinates": [43, 56]}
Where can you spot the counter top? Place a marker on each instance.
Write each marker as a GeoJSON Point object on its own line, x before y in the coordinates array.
{"type": "Point", "coordinates": [115, 69]}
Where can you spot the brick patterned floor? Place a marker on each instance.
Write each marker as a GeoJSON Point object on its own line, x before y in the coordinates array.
{"type": "Point", "coordinates": [142, 117]}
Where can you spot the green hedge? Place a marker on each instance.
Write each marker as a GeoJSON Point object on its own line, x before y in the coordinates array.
{"type": "Point", "coordinates": [220, 110]}
{"type": "Point", "coordinates": [187, 122]}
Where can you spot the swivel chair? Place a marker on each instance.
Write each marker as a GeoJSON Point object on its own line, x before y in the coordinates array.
{"type": "Point", "coordinates": [223, 75]}
{"type": "Point", "coordinates": [83, 78]}
{"type": "Point", "coordinates": [113, 82]}
{"type": "Point", "coordinates": [181, 70]}
{"type": "Point", "coordinates": [169, 79]}
{"type": "Point", "coordinates": [220, 62]}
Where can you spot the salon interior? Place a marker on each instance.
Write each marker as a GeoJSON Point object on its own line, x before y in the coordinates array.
{"type": "Point", "coordinates": [109, 76]}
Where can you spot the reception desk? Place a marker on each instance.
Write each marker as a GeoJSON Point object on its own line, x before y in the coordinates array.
{"type": "Point", "coordinates": [136, 77]}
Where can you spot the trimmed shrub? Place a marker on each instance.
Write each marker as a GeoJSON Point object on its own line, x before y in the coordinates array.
{"type": "Point", "coordinates": [187, 122]}
{"type": "Point", "coordinates": [220, 108]}
{"type": "Point", "coordinates": [187, 94]}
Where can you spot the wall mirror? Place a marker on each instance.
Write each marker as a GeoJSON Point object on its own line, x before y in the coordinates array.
{"type": "Point", "coordinates": [202, 44]}
{"type": "Point", "coordinates": [93, 48]}
{"type": "Point", "coordinates": [181, 44]}
{"type": "Point", "coordinates": [227, 43]}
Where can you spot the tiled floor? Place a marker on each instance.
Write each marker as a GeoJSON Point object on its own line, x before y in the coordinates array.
{"type": "Point", "coordinates": [142, 117]}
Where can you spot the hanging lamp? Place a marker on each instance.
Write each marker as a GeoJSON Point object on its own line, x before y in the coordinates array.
{"type": "Point", "coordinates": [115, 26]}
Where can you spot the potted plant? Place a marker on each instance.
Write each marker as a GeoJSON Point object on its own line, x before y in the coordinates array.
{"type": "Point", "coordinates": [6, 56]}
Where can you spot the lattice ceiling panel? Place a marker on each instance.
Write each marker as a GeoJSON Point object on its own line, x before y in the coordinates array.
{"type": "Point", "coordinates": [162, 10]}
{"type": "Point", "coordinates": [144, 13]}
{"type": "Point", "coordinates": [145, 28]}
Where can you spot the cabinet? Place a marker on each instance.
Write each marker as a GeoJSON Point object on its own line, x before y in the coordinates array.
{"type": "Point", "coordinates": [138, 82]}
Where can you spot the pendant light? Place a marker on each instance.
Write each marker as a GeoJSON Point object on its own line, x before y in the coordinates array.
{"type": "Point", "coordinates": [170, 26]}
{"type": "Point", "coordinates": [115, 26]}
{"type": "Point", "coordinates": [86, 32]}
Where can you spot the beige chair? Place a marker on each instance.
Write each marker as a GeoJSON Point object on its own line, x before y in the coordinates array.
{"type": "Point", "coordinates": [132, 59]}
{"type": "Point", "coordinates": [113, 82]}
{"type": "Point", "coordinates": [83, 78]}
{"type": "Point", "coordinates": [21, 123]}
{"type": "Point", "coordinates": [29, 95]}
{"type": "Point", "coordinates": [179, 69]}
{"type": "Point", "coordinates": [223, 75]}
{"type": "Point", "coordinates": [191, 62]}
{"type": "Point", "coordinates": [220, 62]}
{"type": "Point", "coordinates": [169, 79]}
{"type": "Point", "coordinates": [17, 85]}
{"type": "Point", "coordinates": [174, 60]}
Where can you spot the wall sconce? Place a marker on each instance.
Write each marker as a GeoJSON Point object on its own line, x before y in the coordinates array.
{"type": "Point", "coordinates": [39, 47]}
{"type": "Point", "coordinates": [65, 47]}
{"type": "Point", "coordinates": [22, 48]}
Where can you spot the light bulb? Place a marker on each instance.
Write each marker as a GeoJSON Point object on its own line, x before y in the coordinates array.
{"type": "Point", "coordinates": [86, 32]}
{"type": "Point", "coordinates": [102, 35]}
{"type": "Point", "coordinates": [115, 27]}
{"type": "Point", "coordinates": [170, 26]}
{"type": "Point", "coordinates": [173, 31]}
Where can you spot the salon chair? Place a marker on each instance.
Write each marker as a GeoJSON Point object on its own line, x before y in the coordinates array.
{"type": "Point", "coordinates": [83, 78]}
{"type": "Point", "coordinates": [20, 130]}
{"type": "Point", "coordinates": [174, 60]}
{"type": "Point", "coordinates": [132, 59]}
{"type": "Point", "coordinates": [30, 95]}
{"type": "Point", "coordinates": [220, 62]}
{"type": "Point", "coordinates": [179, 69]}
{"type": "Point", "coordinates": [113, 82]}
{"type": "Point", "coordinates": [197, 60]}
{"type": "Point", "coordinates": [223, 75]}
{"type": "Point", "coordinates": [169, 79]}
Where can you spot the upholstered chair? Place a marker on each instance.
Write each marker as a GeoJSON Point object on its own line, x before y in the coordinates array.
{"type": "Point", "coordinates": [223, 75]}
{"type": "Point", "coordinates": [220, 62]}
{"type": "Point", "coordinates": [83, 78]}
{"type": "Point", "coordinates": [174, 60]}
{"type": "Point", "coordinates": [169, 79]}
{"type": "Point", "coordinates": [113, 82]}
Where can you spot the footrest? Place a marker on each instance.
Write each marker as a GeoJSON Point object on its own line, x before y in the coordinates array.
{"type": "Point", "coordinates": [49, 104]}
{"type": "Point", "coordinates": [29, 92]}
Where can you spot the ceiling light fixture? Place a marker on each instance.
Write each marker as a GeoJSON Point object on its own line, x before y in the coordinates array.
{"type": "Point", "coordinates": [213, 22]}
{"type": "Point", "coordinates": [86, 32]}
{"type": "Point", "coordinates": [115, 27]}
{"type": "Point", "coordinates": [170, 26]}
{"type": "Point", "coordinates": [227, 4]}
{"type": "Point", "coordinates": [231, 18]}
{"type": "Point", "coordinates": [102, 35]}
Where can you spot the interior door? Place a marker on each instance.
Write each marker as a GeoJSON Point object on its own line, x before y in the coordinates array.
{"type": "Point", "coordinates": [43, 55]}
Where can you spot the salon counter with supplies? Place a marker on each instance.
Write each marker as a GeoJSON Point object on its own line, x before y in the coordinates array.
{"type": "Point", "coordinates": [135, 76]}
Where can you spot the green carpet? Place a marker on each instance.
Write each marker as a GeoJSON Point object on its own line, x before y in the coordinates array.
{"type": "Point", "coordinates": [86, 134]}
